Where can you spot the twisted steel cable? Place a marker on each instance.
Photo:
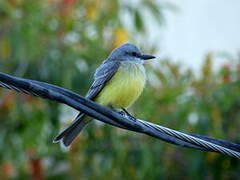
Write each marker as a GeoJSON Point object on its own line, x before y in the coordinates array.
{"type": "Point", "coordinates": [52, 92]}
{"type": "Point", "coordinates": [194, 140]}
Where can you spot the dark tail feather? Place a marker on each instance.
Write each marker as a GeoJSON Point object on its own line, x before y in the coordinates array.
{"type": "Point", "coordinates": [69, 134]}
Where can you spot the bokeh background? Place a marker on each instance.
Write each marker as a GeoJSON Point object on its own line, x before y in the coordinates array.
{"type": "Point", "coordinates": [62, 42]}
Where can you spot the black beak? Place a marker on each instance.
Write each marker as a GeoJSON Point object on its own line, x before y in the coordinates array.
{"type": "Point", "coordinates": [146, 56]}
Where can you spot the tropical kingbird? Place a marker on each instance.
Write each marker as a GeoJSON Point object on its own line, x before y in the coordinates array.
{"type": "Point", "coordinates": [118, 82]}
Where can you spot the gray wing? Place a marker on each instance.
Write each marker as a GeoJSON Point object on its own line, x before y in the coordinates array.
{"type": "Point", "coordinates": [102, 75]}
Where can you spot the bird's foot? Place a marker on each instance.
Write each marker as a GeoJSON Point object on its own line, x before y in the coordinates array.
{"type": "Point", "coordinates": [126, 114]}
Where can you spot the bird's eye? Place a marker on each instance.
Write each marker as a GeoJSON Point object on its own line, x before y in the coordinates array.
{"type": "Point", "coordinates": [134, 53]}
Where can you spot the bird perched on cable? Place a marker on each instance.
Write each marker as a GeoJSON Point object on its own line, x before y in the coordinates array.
{"type": "Point", "coordinates": [118, 82]}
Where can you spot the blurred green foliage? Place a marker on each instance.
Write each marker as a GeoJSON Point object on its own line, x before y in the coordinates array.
{"type": "Point", "coordinates": [62, 42]}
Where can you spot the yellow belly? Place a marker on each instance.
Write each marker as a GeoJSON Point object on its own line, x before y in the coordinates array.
{"type": "Point", "coordinates": [125, 86]}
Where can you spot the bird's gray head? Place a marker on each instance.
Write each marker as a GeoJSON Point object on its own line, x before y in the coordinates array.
{"type": "Point", "coordinates": [128, 52]}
